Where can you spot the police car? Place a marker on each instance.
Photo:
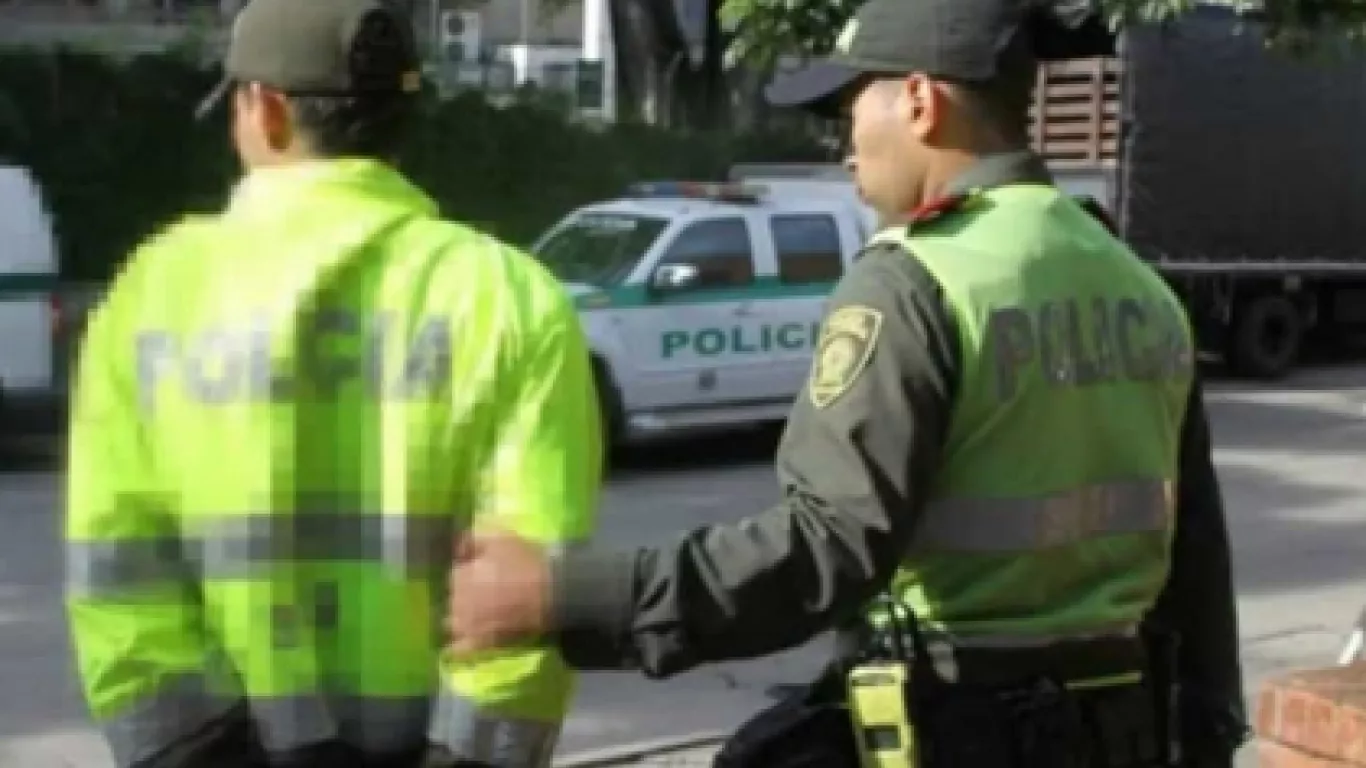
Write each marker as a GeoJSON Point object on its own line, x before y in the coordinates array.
{"type": "Point", "coordinates": [29, 307]}
{"type": "Point", "coordinates": [702, 301]}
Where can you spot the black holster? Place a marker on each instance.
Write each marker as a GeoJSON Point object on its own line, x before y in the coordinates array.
{"type": "Point", "coordinates": [1162, 647]}
{"type": "Point", "coordinates": [809, 728]}
{"type": "Point", "coordinates": [1038, 722]}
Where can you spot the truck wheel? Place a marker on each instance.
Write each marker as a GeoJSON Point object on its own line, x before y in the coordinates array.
{"type": "Point", "coordinates": [1266, 337]}
{"type": "Point", "coordinates": [609, 404]}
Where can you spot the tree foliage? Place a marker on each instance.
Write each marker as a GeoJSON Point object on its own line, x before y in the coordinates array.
{"type": "Point", "coordinates": [117, 153]}
{"type": "Point", "coordinates": [762, 30]}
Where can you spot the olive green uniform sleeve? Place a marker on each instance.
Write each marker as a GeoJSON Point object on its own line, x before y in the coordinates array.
{"type": "Point", "coordinates": [1198, 601]}
{"type": "Point", "coordinates": [855, 462]}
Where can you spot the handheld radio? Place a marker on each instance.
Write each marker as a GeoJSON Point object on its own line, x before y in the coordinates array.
{"type": "Point", "coordinates": [882, 721]}
{"type": "Point", "coordinates": [880, 690]}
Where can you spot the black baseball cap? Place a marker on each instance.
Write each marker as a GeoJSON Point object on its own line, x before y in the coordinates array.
{"type": "Point", "coordinates": [320, 48]}
{"type": "Point", "coordinates": [969, 41]}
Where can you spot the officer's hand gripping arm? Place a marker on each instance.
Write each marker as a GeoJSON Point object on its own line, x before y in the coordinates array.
{"type": "Point", "coordinates": [135, 618]}
{"type": "Point", "coordinates": [1198, 600]}
{"type": "Point", "coordinates": [540, 479]}
{"type": "Point", "coordinates": [855, 464]}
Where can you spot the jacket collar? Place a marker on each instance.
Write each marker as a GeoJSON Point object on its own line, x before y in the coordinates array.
{"type": "Point", "coordinates": [287, 186]}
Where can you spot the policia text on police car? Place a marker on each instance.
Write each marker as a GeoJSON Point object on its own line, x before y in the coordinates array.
{"type": "Point", "coordinates": [998, 482]}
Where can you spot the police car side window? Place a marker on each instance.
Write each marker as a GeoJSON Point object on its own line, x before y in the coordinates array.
{"type": "Point", "coordinates": [808, 247]}
{"type": "Point", "coordinates": [720, 249]}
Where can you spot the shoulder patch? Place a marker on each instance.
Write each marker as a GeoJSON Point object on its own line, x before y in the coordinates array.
{"type": "Point", "coordinates": [845, 346]}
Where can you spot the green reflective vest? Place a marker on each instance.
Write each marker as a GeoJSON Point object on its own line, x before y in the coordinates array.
{"type": "Point", "coordinates": [284, 416]}
{"type": "Point", "coordinates": [1052, 515]}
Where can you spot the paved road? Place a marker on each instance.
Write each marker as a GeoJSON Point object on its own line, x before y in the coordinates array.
{"type": "Point", "coordinates": [1289, 455]}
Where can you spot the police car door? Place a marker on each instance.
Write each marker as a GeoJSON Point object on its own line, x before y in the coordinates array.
{"type": "Point", "coordinates": [809, 248]}
{"type": "Point", "coordinates": [692, 343]}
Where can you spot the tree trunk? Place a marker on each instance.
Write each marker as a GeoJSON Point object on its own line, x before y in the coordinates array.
{"type": "Point", "coordinates": [641, 61]}
{"type": "Point", "coordinates": [657, 81]}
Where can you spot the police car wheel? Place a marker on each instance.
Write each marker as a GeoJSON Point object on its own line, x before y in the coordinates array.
{"type": "Point", "coordinates": [1266, 337]}
{"type": "Point", "coordinates": [609, 404]}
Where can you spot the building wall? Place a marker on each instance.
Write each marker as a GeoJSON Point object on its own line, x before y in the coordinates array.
{"type": "Point", "coordinates": [505, 22]}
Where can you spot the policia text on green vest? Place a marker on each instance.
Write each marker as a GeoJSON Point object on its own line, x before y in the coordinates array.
{"type": "Point", "coordinates": [738, 340]}
{"type": "Point", "coordinates": [1079, 343]}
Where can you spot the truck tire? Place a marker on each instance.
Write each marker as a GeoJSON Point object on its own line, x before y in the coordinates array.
{"type": "Point", "coordinates": [609, 404]}
{"type": "Point", "coordinates": [1266, 337]}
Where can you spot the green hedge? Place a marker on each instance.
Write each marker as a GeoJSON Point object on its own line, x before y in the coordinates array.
{"type": "Point", "coordinates": [117, 153]}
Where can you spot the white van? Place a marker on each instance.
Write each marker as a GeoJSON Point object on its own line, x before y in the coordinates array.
{"type": "Point", "coordinates": [29, 308]}
{"type": "Point", "coordinates": [702, 301]}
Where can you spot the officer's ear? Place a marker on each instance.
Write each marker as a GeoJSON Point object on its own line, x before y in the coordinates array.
{"type": "Point", "coordinates": [267, 111]}
{"type": "Point", "coordinates": [920, 104]}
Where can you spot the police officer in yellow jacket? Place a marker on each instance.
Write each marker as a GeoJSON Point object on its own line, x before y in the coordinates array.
{"type": "Point", "coordinates": [285, 415]}
{"type": "Point", "coordinates": [1002, 436]}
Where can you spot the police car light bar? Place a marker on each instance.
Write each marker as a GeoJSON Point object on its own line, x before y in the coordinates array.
{"type": "Point", "coordinates": [699, 190]}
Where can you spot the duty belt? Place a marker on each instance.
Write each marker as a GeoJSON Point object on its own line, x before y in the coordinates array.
{"type": "Point", "coordinates": [1080, 663]}
{"type": "Point", "coordinates": [1095, 661]}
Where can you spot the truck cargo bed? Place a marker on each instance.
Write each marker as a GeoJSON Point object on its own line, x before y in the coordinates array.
{"type": "Point", "coordinates": [1236, 155]}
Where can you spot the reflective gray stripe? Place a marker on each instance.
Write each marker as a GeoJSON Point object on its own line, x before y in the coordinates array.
{"type": "Point", "coordinates": [183, 705]}
{"type": "Point", "coordinates": [375, 724]}
{"type": "Point", "coordinates": [93, 566]}
{"type": "Point", "coordinates": [241, 546]}
{"type": "Point", "coordinates": [505, 742]}
{"type": "Point", "coordinates": [1015, 524]}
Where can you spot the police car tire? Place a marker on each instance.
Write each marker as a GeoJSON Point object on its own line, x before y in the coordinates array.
{"type": "Point", "coordinates": [1267, 334]}
{"type": "Point", "coordinates": [609, 402]}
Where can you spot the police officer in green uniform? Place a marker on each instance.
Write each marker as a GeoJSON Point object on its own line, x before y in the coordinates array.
{"type": "Point", "coordinates": [1003, 431]}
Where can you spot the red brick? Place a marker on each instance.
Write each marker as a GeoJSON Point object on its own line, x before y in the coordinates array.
{"type": "Point", "coordinates": [1273, 755]}
{"type": "Point", "coordinates": [1297, 709]}
{"type": "Point", "coordinates": [1351, 736]}
{"type": "Point", "coordinates": [1318, 712]}
{"type": "Point", "coordinates": [1267, 717]}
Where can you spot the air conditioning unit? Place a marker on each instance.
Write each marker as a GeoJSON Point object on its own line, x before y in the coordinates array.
{"type": "Point", "coordinates": [460, 35]}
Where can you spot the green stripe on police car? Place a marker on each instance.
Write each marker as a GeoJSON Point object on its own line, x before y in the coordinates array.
{"type": "Point", "coordinates": [14, 286]}
{"type": "Point", "coordinates": [639, 297]}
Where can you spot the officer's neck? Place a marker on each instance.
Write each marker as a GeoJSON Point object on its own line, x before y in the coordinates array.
{"type": "Point", "coordinates": [945, 168]}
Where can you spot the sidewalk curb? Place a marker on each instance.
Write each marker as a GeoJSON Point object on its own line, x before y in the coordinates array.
{"type": "Point", "coordinates": [593, 758]}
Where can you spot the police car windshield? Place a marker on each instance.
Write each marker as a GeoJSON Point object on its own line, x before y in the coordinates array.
{"type": "Point", "coordinates": [599, 248]}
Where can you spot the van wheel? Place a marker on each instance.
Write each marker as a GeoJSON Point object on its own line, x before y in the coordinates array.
{"type": "Point", "coordinates": [609, 405]}
{"type": "Point", "coordinates": [1266, 337]}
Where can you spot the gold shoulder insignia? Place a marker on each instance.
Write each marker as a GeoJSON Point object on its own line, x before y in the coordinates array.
{"type": "Point", "coordinates": [843, 351]}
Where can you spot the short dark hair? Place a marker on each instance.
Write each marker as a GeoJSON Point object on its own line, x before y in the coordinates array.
{"type": "Point", "coordinates": [353, 126]}
{"type": "Point", "coordinates": [1003, 104]}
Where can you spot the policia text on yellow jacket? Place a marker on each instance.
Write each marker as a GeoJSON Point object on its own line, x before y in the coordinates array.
{"type": "Point", "coordinates": [284, 416]}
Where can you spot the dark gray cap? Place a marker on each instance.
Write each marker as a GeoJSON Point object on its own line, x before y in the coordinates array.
{"type": "Point", "coordinates": [319, 48]}
{"type": "Point", "coordinates": [970, 41]}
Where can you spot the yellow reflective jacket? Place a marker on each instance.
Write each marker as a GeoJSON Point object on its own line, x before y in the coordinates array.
{"type": "Point", "coordinates": [284, 415]}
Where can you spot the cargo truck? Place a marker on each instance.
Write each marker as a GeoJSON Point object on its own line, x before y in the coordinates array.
{"type": "Point", "coordinates": [1238, 172]}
